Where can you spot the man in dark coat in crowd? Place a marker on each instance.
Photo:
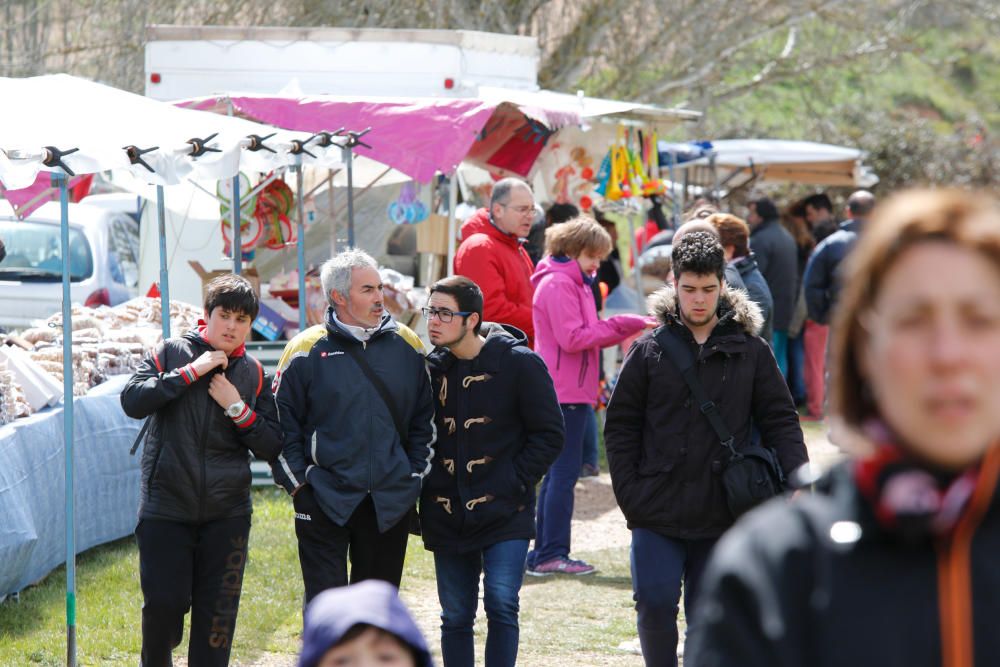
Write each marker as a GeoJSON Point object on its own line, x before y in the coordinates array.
{"type": "Point", "coordinates": [500, 428]}
{"type": "Point", "coordinates": [821, 278]}
{"type": "Point", "coordinates": [777, 258]}
{"type": "Point", "coordinates": [818, 211]}
{"type": "Point", "coordinates": [664, 456]}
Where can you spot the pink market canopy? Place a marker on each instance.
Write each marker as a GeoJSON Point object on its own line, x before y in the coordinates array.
{"type": "Point", "coordinates": [417, 136]}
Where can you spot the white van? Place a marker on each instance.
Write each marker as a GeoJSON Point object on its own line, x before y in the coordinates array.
{"type": "Point", "coordinates": [104, 253]}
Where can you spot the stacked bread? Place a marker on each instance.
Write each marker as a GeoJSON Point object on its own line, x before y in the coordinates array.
{"type": "Point", "coordinates": [106, 341]}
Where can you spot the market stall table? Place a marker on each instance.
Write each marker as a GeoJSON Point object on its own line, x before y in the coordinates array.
{"type": "Point", "coordinates": [32, 490]}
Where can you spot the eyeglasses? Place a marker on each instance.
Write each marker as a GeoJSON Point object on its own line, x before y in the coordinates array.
{"type": "Point", "coordinates": [520, 210]}
{"type": "Point", "coordinates": [443, 314]}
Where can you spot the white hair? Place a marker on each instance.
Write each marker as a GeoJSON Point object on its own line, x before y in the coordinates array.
{"type": "Point", "coordinates": [336, 272]}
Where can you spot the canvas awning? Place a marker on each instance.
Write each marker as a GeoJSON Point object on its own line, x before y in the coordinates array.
{"type": "Point", "coordinates": [740, 161]}
{"type": "Point", "coordinates": [500, 130]}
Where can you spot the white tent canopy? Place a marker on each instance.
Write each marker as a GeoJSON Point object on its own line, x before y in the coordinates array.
{"type": "Point", "coordinates": [542, 102]}
{"type": "Point", "coordinates": [774, 160]}
{"type": "Point", "coordinates": [67, 113]}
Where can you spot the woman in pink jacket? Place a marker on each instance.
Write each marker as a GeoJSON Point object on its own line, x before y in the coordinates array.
{"type": "Point", "coordinates": [569, 336]}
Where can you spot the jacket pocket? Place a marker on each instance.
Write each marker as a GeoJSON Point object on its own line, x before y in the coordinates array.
{"type": "Point", "coordinates": [651, 467]}
{"type": "Point", "coordinates": [441, 515]}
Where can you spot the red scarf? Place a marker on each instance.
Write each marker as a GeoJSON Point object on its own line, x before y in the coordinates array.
{"type": "Point", "coordinates": [908, 498]}
{"type": "Point", "coordinates": [238, 352]}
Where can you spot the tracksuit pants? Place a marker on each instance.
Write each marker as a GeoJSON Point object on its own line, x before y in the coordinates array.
{"type": "Point", "coordinates": [324, 546]}
{"type": "Point", "coordinates": [190, 566]}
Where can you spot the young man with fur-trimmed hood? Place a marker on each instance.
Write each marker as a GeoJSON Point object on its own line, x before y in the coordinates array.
{"type": "Point", "coordinates": [664, 456]}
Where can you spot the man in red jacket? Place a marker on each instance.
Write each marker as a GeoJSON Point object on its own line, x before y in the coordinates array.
{"type": "Point", "coordinates": [492, 255]}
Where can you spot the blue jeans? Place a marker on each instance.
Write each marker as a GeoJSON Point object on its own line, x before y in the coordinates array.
{"type": "Point", "coordinates": [796, 369]}
{"type": "Point", "coordinates": [458, 590]}
{"type": "Point", "coordinates": [555, 498]}
{"type": "Point", "coordinates": [659, 564]}
{"type": "Point", "coordinates": [779, 344]}
{"type": "Point", "coordinates": [590, 455]}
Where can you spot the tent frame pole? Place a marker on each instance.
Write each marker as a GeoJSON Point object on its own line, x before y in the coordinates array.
{"type": "Point", "coordinates": [161, 226]}
{"type": "Point", "coordinates": [301, 245]}
{"type": "Point", "coordinates": [349, 159]}
{"type": "Point", "coordinates": [237, 231]}
{"type": "Point", "coordinates": [452, 205]}
{"type": "Point", "coordinates": [67, 335]}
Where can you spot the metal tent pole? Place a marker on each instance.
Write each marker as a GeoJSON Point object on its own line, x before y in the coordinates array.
{"type": "Point", "coordinates": [674, 204]}
{"type": "Point", "coordinates": [67, 332]}
{"type": "Point", "coordinates": [161, 224]}
{"type": "Point", "coordinates": [349, 159]}
{"type": "Point", "coordinates": [452, 205]}
{"type": "Point", "coordinates": [637, 273]}
{"type": "Point", "coordinates": [237, 232]}
{"type": "Point", "coordinates": [333, 219]}
{"type": "Point", "coordinates": [301, 247]}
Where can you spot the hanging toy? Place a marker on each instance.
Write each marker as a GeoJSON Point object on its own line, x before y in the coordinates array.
{"type": "Point", "coordinates": [274, 204]}
{"type": "Point", "coordinates": [250, 228]}
{"type": "Point", "coordinates": [408, 209]}
{"type": "Point", "coordinates": [604, 174]}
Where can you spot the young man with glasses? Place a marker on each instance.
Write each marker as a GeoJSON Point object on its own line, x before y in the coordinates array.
{"type": "Point", "coordinates": [499, 429]}
{"type": "Point", "coordinates": [493, 256]}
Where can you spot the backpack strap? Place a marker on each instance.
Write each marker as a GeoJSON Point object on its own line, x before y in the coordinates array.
{"type": "Point", "coordinates": [260, 375]}
{"type": "Point", "coordinates": [145, 424]}
{"type": "Point", "coordinates": [260, 381]}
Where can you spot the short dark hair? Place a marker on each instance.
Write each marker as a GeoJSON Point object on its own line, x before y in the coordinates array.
{"type": "Point", "coordinates": [764, 207]}
{"type": "Point", "coordinates": [818, 201]}
{"type": "Point", "coordinates": [466, 293]}
{"type": "Point", "coordinates": [234, 293]}
{"type": "Point", "coordinates": [699, 253]}
{"type": "Point", "coordinates": [559, 213]}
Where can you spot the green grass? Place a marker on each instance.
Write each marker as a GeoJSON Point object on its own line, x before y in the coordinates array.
{"type": "Point", "coordinates": [32, 630]}
{"type": "Point", "coordinates": [564, 621]}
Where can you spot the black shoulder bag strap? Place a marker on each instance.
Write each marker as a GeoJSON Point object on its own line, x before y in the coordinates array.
{"type": "Point", "coordinates": [381, 388]}
{"type": "Point", "coordinates": [681, 357]}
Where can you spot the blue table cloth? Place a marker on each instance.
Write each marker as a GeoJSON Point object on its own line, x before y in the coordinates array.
{"type": "Point", "coordinates": [32, 484]}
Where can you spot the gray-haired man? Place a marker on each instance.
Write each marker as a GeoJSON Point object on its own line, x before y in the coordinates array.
{"type": "Point", "coordinates": [353, 475]}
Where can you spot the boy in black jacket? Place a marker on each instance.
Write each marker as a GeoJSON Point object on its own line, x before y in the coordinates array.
{"type": "Point", "coordinates": [210, 406]}
{"type": "Point", "coordinates": [499, 429]}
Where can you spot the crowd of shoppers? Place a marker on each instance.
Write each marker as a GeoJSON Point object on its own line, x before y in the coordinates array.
{"type": "Point", "coordinates": [363, 426]}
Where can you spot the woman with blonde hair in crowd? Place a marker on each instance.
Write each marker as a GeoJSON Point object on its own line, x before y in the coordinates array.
{"type": "Point", "coordinates": [893, 560]}
{"type": "Point", "coordinates": [569, 337]}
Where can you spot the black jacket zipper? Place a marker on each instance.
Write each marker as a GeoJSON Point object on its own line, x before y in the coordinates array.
{"type": "Point", "coordinates": [206, 426]}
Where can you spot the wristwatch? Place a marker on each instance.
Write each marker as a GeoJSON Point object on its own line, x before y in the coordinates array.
{"type": "Point", "coordinates": [234, 410]}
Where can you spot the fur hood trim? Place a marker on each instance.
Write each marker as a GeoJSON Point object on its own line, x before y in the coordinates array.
{"type": "Point", "coordinates": [734, 304]}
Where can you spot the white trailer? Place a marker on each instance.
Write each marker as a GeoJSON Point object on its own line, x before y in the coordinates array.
{"type": "Point", "coordinates": [188, 61]}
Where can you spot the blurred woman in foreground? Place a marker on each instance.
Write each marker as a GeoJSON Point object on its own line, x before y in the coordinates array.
{"type": "Point", "coordinates": [894, 560]}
